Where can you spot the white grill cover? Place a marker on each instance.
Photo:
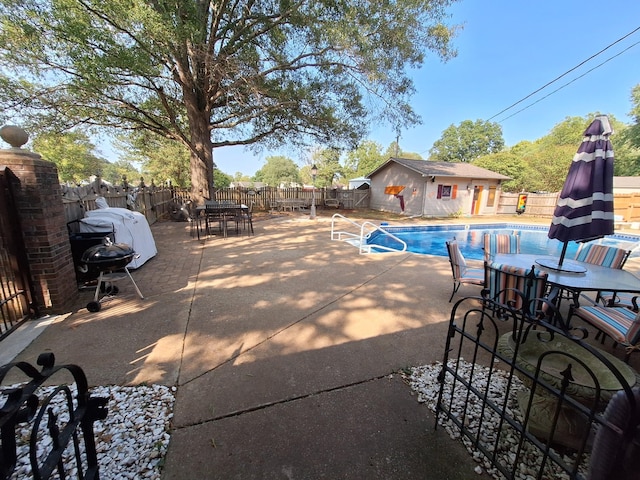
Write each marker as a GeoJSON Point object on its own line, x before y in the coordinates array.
{"type": "Point", "coordinates": [129, 227]}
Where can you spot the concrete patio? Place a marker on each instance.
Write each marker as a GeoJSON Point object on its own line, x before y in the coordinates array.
{"type": "Point", "coordinates": [285, 348]}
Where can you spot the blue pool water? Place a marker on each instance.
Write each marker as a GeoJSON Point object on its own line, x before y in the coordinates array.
{"type": "Point", "coordinates": [430, 239]}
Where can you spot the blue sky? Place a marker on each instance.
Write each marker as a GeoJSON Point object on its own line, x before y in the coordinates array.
{"type": "Point", "coordinates": [507, 49]}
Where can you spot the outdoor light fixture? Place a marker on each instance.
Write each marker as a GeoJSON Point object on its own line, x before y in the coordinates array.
{"type": "Point", "coordinates": [314, 172]}
{"type": "Point", "coordinates": [468, 187]}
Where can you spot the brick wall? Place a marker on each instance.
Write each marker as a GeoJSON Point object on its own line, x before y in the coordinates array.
{"type": "Point", "coordinates": [42, 220]}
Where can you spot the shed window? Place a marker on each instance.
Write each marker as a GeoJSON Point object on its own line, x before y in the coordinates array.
{"type": "Point", "coordinates": [447, 191]}
{"type": "Point", "coordinates": [491, 199]}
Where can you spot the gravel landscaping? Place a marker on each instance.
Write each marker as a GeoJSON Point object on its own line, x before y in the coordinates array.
{"type": "Point", "coordinates": [131, 442]}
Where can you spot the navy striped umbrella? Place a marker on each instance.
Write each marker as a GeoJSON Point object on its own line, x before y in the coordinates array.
{"type": "Point", "coordinates": [585, 207]}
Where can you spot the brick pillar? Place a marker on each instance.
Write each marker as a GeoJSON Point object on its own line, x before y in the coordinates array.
{"type": "Point", "coordinates": [43, 223]}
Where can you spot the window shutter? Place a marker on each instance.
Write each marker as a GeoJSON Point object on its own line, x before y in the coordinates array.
{"type": "Point", "coordinates": [454, 192]}
{"type": "Point", "coordinates": [439, 191]}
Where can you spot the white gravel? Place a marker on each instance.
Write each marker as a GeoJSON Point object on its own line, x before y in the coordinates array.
{"type": "Point", "coordinates": [131, 442]}
{"type": "Point", "coordinates": [424, 381]}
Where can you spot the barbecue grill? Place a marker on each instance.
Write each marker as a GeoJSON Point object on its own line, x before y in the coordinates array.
{"type": "Point", "coordinates": [109, 262]}
{"type": "Point", "coordinates": [81, 241]}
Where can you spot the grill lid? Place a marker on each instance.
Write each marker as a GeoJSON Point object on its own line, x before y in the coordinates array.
{"type": "Point", "coordinates": [108, 253]}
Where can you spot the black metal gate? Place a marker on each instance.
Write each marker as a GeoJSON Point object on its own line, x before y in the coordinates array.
{"type": "Point", "coordinates": [532, 399]}
{"type": "Point", "coordinates": [47, 432]}
{"type": "Point", "coordinates": [16, 291]}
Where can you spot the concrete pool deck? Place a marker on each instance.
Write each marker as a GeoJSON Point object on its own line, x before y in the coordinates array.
{"type": "Point", "coordinates": [285, 348]}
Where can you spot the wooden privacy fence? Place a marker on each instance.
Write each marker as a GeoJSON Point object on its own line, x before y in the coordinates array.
{"type": "Point", "coordinates": [538, 204]}
{"type": "Point", "coordinates": [159, 202]}
{"type": "Point", "coordinates": [626, 205]}
{"type": "Point", "coordinates": [153, 202]}
{"type": "Point", "coordinates": [264, 198]}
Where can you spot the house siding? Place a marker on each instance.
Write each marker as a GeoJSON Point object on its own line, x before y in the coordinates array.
{"type": "Point", "coordinates": [395, 175]}
{"type": "Point", "coordinates": [421, 194]}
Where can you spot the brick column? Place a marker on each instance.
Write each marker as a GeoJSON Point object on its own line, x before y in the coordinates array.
{"type": "Point", "coordinates": [43, 223]}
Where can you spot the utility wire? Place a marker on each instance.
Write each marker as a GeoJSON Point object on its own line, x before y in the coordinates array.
{"type": "Point", "coordinates": [563, 75]}
{"type": "Point", "coordinates": [566, 84]}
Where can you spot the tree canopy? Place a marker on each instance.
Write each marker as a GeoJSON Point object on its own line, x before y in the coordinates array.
{"type": "Point", "coordinates": [161, 159]}
{"type": "Point", "coordinates": [327, 161]}
{"type": "Point", "coordinates": [278, 170]}
{"type": "Point", "coordinates": [543, 165]}
{"type": "Point", "coordinates": [212, 74]}
{"type": "Point", "coordinates": [467, 141]}
{"type": "Point", "coordinates": [73, 155]}
{"type": "Point", "coordinates": [364, 159]}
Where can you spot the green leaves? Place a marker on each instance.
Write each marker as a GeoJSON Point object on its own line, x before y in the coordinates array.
{"type": "Point", "coordinates": [278, 169]}
{"type": "Point", "coordinates": [467, 141]}
{"type": "Point", "coordinates": [213, 74]}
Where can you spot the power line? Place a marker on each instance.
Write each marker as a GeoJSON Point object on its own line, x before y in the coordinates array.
{"type": "Point", "coordinates": [564, 74]}
{"type": "Point", "coordinates": [566, 84]}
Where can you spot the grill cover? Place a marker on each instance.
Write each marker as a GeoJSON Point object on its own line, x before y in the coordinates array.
{"type": "Point", "coordinates": [108, 257]}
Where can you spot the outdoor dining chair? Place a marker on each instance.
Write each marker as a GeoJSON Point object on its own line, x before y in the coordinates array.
{"type": "Point", "coordinates": [461, 272]}
{"type": "Point", "coordinates": [500, 243]}
{"type": "Point", "coordinates": [605, 256]}
{"type": "Point", "coordinates": [619, 323]}
{"type": "Point", "coordinates": [514, 288]}
{"type": "Point", "coordinates": [247, 218]}
{"type": "Point", "coordinates": [214, 214]}
{"type": "Point", "coordinates": [620, 299]}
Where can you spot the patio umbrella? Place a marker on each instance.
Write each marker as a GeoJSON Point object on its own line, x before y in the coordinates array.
{"type": "Point", "coordinates": [584, 210]}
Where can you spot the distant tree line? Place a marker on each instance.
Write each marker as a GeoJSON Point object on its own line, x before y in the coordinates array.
{"type": "Point", "coordinates": [539, 165]}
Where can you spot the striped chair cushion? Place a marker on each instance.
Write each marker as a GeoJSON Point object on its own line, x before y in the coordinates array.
{"type": "Point", "coordinates": [502, 281]}
{"type": "Point", "coordinates": [500, 243]}
{"type": "Point", "coordinates": [603, 255]}
{"type": "Point", "coordinates": [619, 323]}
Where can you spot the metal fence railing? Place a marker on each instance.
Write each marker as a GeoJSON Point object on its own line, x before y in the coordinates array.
{"type": "Point", "coordinates": [531, 398]}
{"type": "Point", "coordinates": [59, 441]}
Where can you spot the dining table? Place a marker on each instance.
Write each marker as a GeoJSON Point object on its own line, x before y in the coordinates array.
{"type": "Point", "coordinates": [586, 277]}
{"type": "Point", "coordinates": [224, 212]}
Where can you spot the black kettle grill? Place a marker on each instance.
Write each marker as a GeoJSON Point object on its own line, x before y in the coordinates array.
{"type": "Point", "coordinates": [109, 262]}
{"type": "Point", "coordinates": [107, 257]}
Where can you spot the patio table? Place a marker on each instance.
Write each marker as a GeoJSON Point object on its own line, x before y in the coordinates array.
{"type": "Point", "coordinates": [225, 211]}
{"type": "Point", "coordinates": [594, 278]}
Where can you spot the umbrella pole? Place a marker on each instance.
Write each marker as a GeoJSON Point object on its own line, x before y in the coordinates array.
{"type": "Point", "coordinates": [564, 251]}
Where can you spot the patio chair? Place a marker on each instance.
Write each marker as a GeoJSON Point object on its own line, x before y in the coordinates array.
{"type": "Point", "coordinates": [462, 273]}
{"type": "Point", "coordinates": [620, 299]}
{"type": "Point", "coordinates": [247, 218]}
{"type": "Point", "coordinates": [500, 243]}
{"type": "Point", "coordinates": [605, 256]}
{"type": "Point", "coordinates": [214, 214]}
{"type": "Point", "coordinates": [514, 288]}
{"type": "Point", "coordinates": [621, 324]}
{"type": "Point", "coordinates": [194, 219]}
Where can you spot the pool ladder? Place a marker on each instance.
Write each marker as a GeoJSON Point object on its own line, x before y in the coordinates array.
{"type": "Point", "coordinates": [359, 239]}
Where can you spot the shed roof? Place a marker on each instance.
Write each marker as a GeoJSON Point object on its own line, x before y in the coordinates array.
{"type": "Point", "coordinates": [428, 168]}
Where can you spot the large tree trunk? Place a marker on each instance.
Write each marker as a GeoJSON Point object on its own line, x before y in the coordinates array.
{"type": "Point", "coordinates": [202, 187]}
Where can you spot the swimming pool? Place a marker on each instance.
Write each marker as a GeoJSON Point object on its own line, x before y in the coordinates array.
{"type": "Point", "coordinates": [430, 239]}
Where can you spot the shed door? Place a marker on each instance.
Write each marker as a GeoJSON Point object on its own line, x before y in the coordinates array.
{"type": "Point", "coordinates": [477, 196]}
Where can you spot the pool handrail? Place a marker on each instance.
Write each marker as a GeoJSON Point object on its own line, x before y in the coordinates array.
{"type": "Point", "coordinates": [365, 232]}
